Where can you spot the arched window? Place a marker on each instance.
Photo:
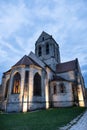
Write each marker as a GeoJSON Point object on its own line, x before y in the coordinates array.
{"type": "Point", "coordinates": [37, 85]}
{"type": "Point", "coordinates": [26, 81]}
{"type": "Point", "coordinates": [62, 88]}
{"type": "Point", "coordinates": [54, 89]}
{"type": "Point", "coordinates": [16, 83]}
{"type": "Point", "coordinates": [47, 48]}
{"type": "Point", "coordinates": [42, 38]}
{"type": "Point", "coordinates": [39, 51]}
{"type": "Point", "coordinates": [6, 89]}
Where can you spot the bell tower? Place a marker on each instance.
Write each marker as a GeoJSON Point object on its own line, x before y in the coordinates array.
{"type": "Point", "coordinates": [47, 50]}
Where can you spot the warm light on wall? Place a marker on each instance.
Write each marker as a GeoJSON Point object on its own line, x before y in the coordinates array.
{"type": "Point", "coordinates": [47, 96]}
{"type": "Point", "coordinates": [80, 97]}
{"type": "Point", "coordinates": [25, 104]}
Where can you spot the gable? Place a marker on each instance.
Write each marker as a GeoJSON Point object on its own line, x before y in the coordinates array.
{"type": "Point", "coordinates": [26, 60]}
{"type": "Point", "coordinates": [43, 36]}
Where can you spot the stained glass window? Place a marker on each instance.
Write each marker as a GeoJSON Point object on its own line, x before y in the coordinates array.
{"type": "Point", "coordinates": [16, 83]}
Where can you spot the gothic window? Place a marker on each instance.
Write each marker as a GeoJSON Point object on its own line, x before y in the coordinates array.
{"type": "Point", "coordinates": [26, 76]}
{"type": "Point", "coordinates": [62, 88]}
{"type": "Point", "coordinates": [39, 51]}
{"type": "Point", "coordinates": [54, 90]}
{"type": "Point", "coordinates": [6, 89]}
{"type": "Point", "coordinates": [37, 85]}
{"type": "Point", "coordinates": [47, 48]}
{"type": "Point", "coordinates": [16, 83]}
{"type": "Point", "coordinates": [26, 80]}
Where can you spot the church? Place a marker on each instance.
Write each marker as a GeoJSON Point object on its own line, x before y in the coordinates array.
{"type": "Point", "coordinates": [40, 81]}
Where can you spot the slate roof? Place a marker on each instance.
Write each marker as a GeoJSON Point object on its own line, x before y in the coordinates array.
{"type": "Point", "coordinates": [66, 66]}
{"type": "Point", "coordinates": [58, 78]}
{"type": "Point", "coordinates": [7, 71]}
{"type": "Point", "coordinates": [45, 35]}
{"type": "Point", "coordinates": [26, 60]}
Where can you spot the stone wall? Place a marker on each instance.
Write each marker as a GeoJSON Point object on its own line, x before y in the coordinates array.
{"type": "Point", "coordinates": [14, 104]}
{"type": "Point", "coordinates": [25, 101]}
{"type": "Point", "coordinates": [14, 101]}
{"type": "Point", "coordinates": [81, 96]}
{"type": "Point", "coordinates": [0, 97]}
{"type": "Point", "coordinates": [36, 102]}
{"type": "Point", "coordinates": [61, 99]}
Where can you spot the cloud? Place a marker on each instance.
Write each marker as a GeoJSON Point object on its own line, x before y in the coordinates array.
{"type": "Point", "coordinates": [12, 18]}
{"type": "Point", "coordinates": [8, 45]}
{"type": "Point", "coordinates": [22, 21]}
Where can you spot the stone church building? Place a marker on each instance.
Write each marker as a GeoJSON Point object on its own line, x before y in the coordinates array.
{"type": "Point", "coordinates": [41, 81]}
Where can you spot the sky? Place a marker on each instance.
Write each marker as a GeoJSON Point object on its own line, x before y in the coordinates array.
{"type": "Point", "coordinates": [22, 22]}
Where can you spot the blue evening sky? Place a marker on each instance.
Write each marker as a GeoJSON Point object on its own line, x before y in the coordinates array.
{"type": "Point", "coordinates": [22, 21]}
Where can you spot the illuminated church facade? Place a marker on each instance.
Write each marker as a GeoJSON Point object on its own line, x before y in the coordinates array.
{"type": "Point", "coordinates": [41, 81]}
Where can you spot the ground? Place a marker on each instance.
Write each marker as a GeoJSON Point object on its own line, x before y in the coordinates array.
{"type": "Point", "coordinates": [81, 124]}
{"type": "Point", "coordinates": [50, 119]}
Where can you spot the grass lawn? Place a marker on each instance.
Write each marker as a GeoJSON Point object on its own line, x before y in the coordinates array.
{"type": "Point", "coordinates": [40, 120]}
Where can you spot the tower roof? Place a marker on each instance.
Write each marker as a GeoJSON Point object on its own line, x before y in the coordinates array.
{"type": "Point", "coordinates": [43, 36]}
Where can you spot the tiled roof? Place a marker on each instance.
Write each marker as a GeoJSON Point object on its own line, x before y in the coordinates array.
{"type": "Point", "coordinates": [25, 60]}
{"type": "Point", "coordinates": [66, 66]}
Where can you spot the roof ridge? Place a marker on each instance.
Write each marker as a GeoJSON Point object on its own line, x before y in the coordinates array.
{"type": "Point", "coordinates": [23, 58]}
{"type": "Point", "coordinates": [68, 61]}
{"type": "Point", "coordinates": [34, 62]}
